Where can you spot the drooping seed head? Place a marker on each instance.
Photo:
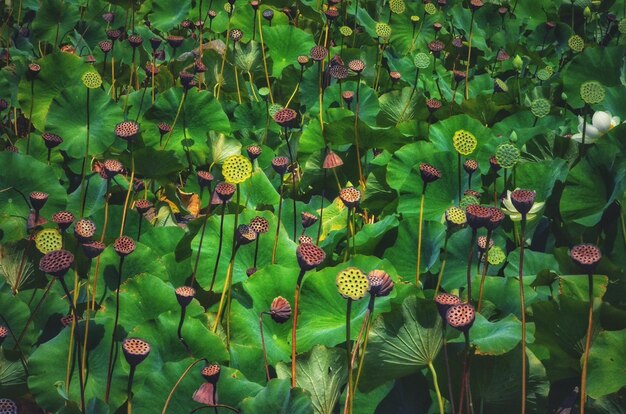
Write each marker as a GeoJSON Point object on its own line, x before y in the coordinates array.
{"type": "Point", "coordinates": [444, 301]}
{"type": "Point", "coordinates": [429, 173]}
{"type": "Point", "coordinates": [259, 225]}
{"type": "Point", "coordinates": [380, 283]}
{"type": "Point", "coordinates": [286, 118]}
{"type": "Point", "coordinates": [112, 168]}
{"type": "Point", "coordinates": [477, 216]}
{"type": "Point", "coordinates": [587, 256]}
{"type": "Point", "coordinates": [500, 86]}
{"type": "Point", "coordinates": [250, 271]}
{"type": "Point", "coordinates": [56, 263]}
{"type": "Point", "coordinates": [305, 239]}
{"type": "Point", "coordinates": [523, 200]}
{"type": "Point", "coordinates": [127, 130]}
{"type": "Point", "coordinates": [63, 219]}
{"type": "Point", "coordinates": [38, 199]}
{"type": "Point", "coordinates": [319, 53]}
{"type": "Point", "coordinates": [308, 219]}
{"type": "Point", "coordinates": [455, 217]}
{"type": "Point", "coordinates": [352, 283]}
{"type": "Point", "coordinates": [245, 235]}
{"type": "Point", "coordinates": [254, 152]}
{"type": "Point", "coordinates": [497, 217]}
{"type": "Point", "coordinates": [143, 205]}
{"type": "Point", "coordinates": [93, 249]}
{"type": "Point", "coordinates": [135, 350]}
{"type": "Point", "coordinates": [84, 229]}
{"type": "Point", "coordinates": [356, 65]}
{"type": "Point", "coordinates": [309, 256]}
{"type": "Point", "coordinates": [225, 191]}
{"type": "Point", "coordinates": [461, 316]}
{"type": "Point", "coordinates": [51, 140]}
{"type": "Point", "coordinates": [211, 373]}
{"type": "Point", "coordinates": [350, 196]}
{"type": "Point", "coordinates": [470, 166]}
{"type": "Point", "coordinates": [8, 406]}
{"type": "Point", "coordinates": [332, 160]}
{"type": "Point", "coordinates": [124, 246]}
{"type": "Point", "coordinates": [280, 310]}
{"type": "Point", "coordinates": [280, 165]}
{"type": "Point", "coordinates": [185, 295]}
{"type": "Point", "coordinates": [204, 178]}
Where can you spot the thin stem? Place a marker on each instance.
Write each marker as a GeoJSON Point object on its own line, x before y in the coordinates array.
{"type": "Point", "coordinates": [356, 131]}
{"type": "Point", "coordinates": [294, 191]}
{"type": "Point", "coordinates": [83, 173]}
{"type": "Point", "coordinates": [220, 79]}
{"type": "Point", "coordinates": [237, 83]}
{"type": "Point", "coordinates": [195, 266]}
{"type": "Point", "coordinates": [348, 235]}
{"type": "Point", "coordinates": [469, 266]}
{"type": "Point", "coordinates": [130, 187]}
{"type": "Point", "coordinates": [34, 313]}
{"type": "Point", "coordinates": [30, 113]}
{"type": "Point", "coordinates": [180, 379]}
{"type": "Point", "coordinates": [437, 391]}
{"type": "Point", "coordinates": [267, 77]}
{"type": "Point", "coordinates": [111, 363]}
{"type": "Point", "coordinates": [280, 208]}
{"type": "Point", "coordinates": [583, 380]}
{"type": "Point", "coordinates": [219, 248]}
{"type": "Point", "coordinates": [294, 327]}
{"type": "Point", "coordinates": [446, 360]}
{"type": "Point", "coordinates": [267, 368]}
{"type": "Point", "coordinates": [419, 239]}
{"type": "Point", "coordinates": [443, 263]}
{"type": "Point", "coordinates": [180, 106]}
{"type": "Point", "coordinates": [17, 344]}
{"type": "Point", "coordinates": [179, 332]}
{"type": "Point", "coordinates": [469, 54]}
{"type": "Point", "coordinates": [349, 389]}
{"type": "Point", "coordinates": [139, 227]}
{"type": "Point", "coordinates": [368, 326]}
{"type": "Point", "coordinates": [523, 311]}
{"type": "Point", "coordinates": [458, 170]}
{"type": "Point", "coordinates": [129, 390]}
{"type": "Point", "coordinates": [484, 258]}
{"type": "Point", "coordinates": [227, 286]}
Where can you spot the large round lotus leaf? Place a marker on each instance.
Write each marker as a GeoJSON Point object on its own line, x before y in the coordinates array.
{"type": "Point", "coordinates": [368, 239]}
{"type": "Point", "coordinates": [15, 314]}
{"type": "Point", "coordinates": [278, 396]}
{"type": "Point", "coordinates": [166, 14]}
{"type": "Point", "coordinates": [606, 362]}
{"type": "Point", "coordinates": [63, 14]}
{"type": "Point", "coordinates": [285, 44]}
{"type": "Point", "coordinates": [25, 174]}
{"type": "Point", "coordinates": [322, 372]}
{"type": "Point", "coordinates": [323, 311]}
{"type": "Point", "coordinates": [165, 244]}
{"type": "Point", "coordinates": [402, 342]}
{"type": "Point", "coordinates": [68, 119]}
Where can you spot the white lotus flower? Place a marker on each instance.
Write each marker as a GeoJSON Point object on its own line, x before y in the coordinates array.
{"type": "Point", "coordinates": [510, 210]}
{"type": "Point", "coordinates": [601, 123]}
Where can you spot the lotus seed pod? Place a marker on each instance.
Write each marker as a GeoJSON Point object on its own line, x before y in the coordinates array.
{"type": "Point", "coordinates": [286, 118]}
{"type": "Point", "coordinates": [56, 263]}
{"type": "Point", "coordinates": [332, 160]}
{"type": "Point", "coordinates": [309, 256]}
{"type": "Point", "coordinates": [175, 41]}
{"type": "Point", "coordinates": [225, 191]}
{"type": "Point", "coordinates": [421, 60]}
{"type": "Point", "coordinates": [345, 31]}
{"type": "Point", "coordinates": [92, 80]}
{"type": "Point", "coordinates": [380, 283]}
{"type": "Point", "coordinates": [204, 179]}
{"type": "Point", "coordinates": [481, 242]}
{"type": "Point", "coordinates": [414, 19]}
{"type": "Point", "coordinates": [352, 283]}
{"type": "Point", "coordinates": [540, 107]}
{"type": "Point", "coordinates": [280, 311]}
{"type": "Point", "coordinates": [543, 74]}
{"type": "Point", "coordinates": [124, 246]}
{"type": "Point", "coordinates": [254, 152]}
{"type": "Point", "coordinates": [108, 17]}
{"type": "Point", "coordinates": [576, 43]}
{"type": "Point", "coordinates": [350, 197]}
{"type": "Point", "coordinates": [236, 35]}
{"type": "Point", "coordinates": [303, 60]}
{"type": "Point", "coordinates": [476, 4]}
{"type": "Point", "coordinates": [433, 105]}
{"type": "Point", "coordinates": [135, 40]}
{"type": "Point", "coordinates": [459, 75]}
{"type": "Point", "coordinates": [347, 97]}
{"type": "Point", "coordinates": [500, 86]}
{"type": "Point", "coordinates": [523, 200]}
{"type": "Point", "coordinates": [273, 109]}
{"type": "Point", "coordinates": [111, 168]}
{"type": "Point", "coordinates": [84, 229]}
{"type": "Point", "coordinates": [445, 301]}
{"type": "Point", "coordinates": [105, 46]}
{"type": "Point", "coordinates": [48, 240]}
{"type": "Point", "coordinates": [260, 225]}
{"type": "Point", "coordinates": [331, 13]}
{"type": "Point", "coordinates": [8, 406]}
{"type": "Point", "coordinates": [66, 321]}
{"type": "Point", "coordinates": [436, 47]}
{"type": "Point", "coordinates": [461, 317]}
{"type": "Point", "coordinates": [502, 56]}
{"type": "Point", "coordinates": [143, 206]}
{"type": "Point", "coordinates": [211, 373]}
{"type": "Point", "coordinates": [470, 166]}
{"type": "Point", "coordinates": [212, 14]}
{"type": "Point", "coordinates": [33, 70]}
{"type": "Point", "coordinates": [245, 235]}
{"type": "Point", "coordinates": [464, 142]}
{"type": "Point", "coordinates": [430, 8]}
{"type": "Point", "coordinates": [12, 148]}
{"type": "Point", "coordinates": [493, 163]}
{"type": "Point", "coordinates": [518, 62]}
{"type": "Point", "coordinates": [63, 220]}
{"type": "Point", "coordinates": [592, 92]}
{"type": "Point", "coordinates": [472, 193]}
{"type": "Point", "coordinates": [280, 165]}
{"type": "Point", "coordinates": [38, 199]}
{"type": "Point", "coordinates": [338, 72]}
{"type": "Point", "coordinates": [356, 65]}
{"type": "Point", "coordinates": [497, 217]}
{"type": "Point", "coordinates": [164, 128]}
{"type": "Point", "coordinates": [308, 219]}
{"type": "Point", "coordinates": [186, 78]}
{"type": "Point", "coordinates": [127, 130]}
{"type": "Point", "coordinates": [268, 14]}
{"type": "Point", "coordinates": [305, 239]}
{"type": "Point", "coordinates": [455, 216]}
{"type": "Point", "coordinates": [135, 350]}
{"type": "Point", "coordinates": [93, 249]}
{"type": "Point", "coordinates": [155, 42]}
{"type": "Point", "coordinates": [507, 155]}
{"type": "Point", "coordinates": [467, 201]}
{"type": "Point", "coordinates": [319, 53]}
{"type": "Point", "coordinates": [587, 256]}
{"type": "Point", "coordinates": [383, 30]}
{"type": "Point", "coordinates": [114, 34]}
{"type": "Point", "coordinates": [4, 332]}
{"type": "Point", "coordinates": [250, 271]}
{"type": "Point", "coordinates": [184, 295]}
{"type": "Point", "coordinates": [495, 256]}
{"type": "Point", "coordinates": [457, 42]}
{"type": "Point", "coordinates": [477, 216]}
{"type": "Point", "coordinates": [429, 173]}
{"type": "Point", "coordinates": [397, 6]}
{"type": "Point", "coordinates": [621, 26]}
{"type": "Point", "coordinates": [236, 169]}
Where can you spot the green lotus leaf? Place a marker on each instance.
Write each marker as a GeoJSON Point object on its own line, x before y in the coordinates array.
{"type": "Point", "coordinates": [278, 397]}
{"type": "Point", "coordinates": [166, 14]}
{"type": "Point", "coordinates": [606, 362]}
{"type": "Point", "coordinates": [500, 337]}
{"type": "Point", "coordinates": [63, 14]}
{"type": "Point", "coordinates": [285, 44]}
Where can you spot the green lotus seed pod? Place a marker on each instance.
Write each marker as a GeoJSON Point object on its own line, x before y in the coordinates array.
{"type": "Point", "coordinates": [496, 256]}
{"type": "Point", "coordinates": [621, 26]}
{"type": "Point", "coordinates": [592, 92]}
{"type": "Point", "coordinates": [92, 80]}
{"type": "Point", "coordinates": [264, 91]}
{"type": "Point", "coordinates": [228, 8]}
{"type": "Point", "coordinates": [576, 43]}
{"type": "Point", "coordinates": [540, 107]}
{"type": "Point", "coordinates": [48, 240]}
{"type": "Point", "coordinates": [345, 31]}
{"type": "Point", "coordinates": [273, 109]}
{"type": "Point", "coordinates": [397, 6]}
{"type": "Point", "coordinates": [421, 60]}
{"type": "Point", "coordinates": [587, 12]}
{"type": "Point", "coordinates": [383, 30]}
{"type": "Point", "coordinates": [352, 283]}
{"type": "Point", "coordinates": [456, 216]}
{"type": "Point", "coordinates": [415, 19]}
{"type": "Point", "coordinates": [430, 8]}
{"type": "Point", "coordinates": [543, 74]}
{"type": "Point", "coordinates": [468, 200]}
{"type": "Point", "coordinates": [500, 86]}
{"type": "Point", "coordinates": [464, 142]}
{"type": "Point", "coordinates": [507, 155]}
{"type": "Point", "coordinates": [518, 62]}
